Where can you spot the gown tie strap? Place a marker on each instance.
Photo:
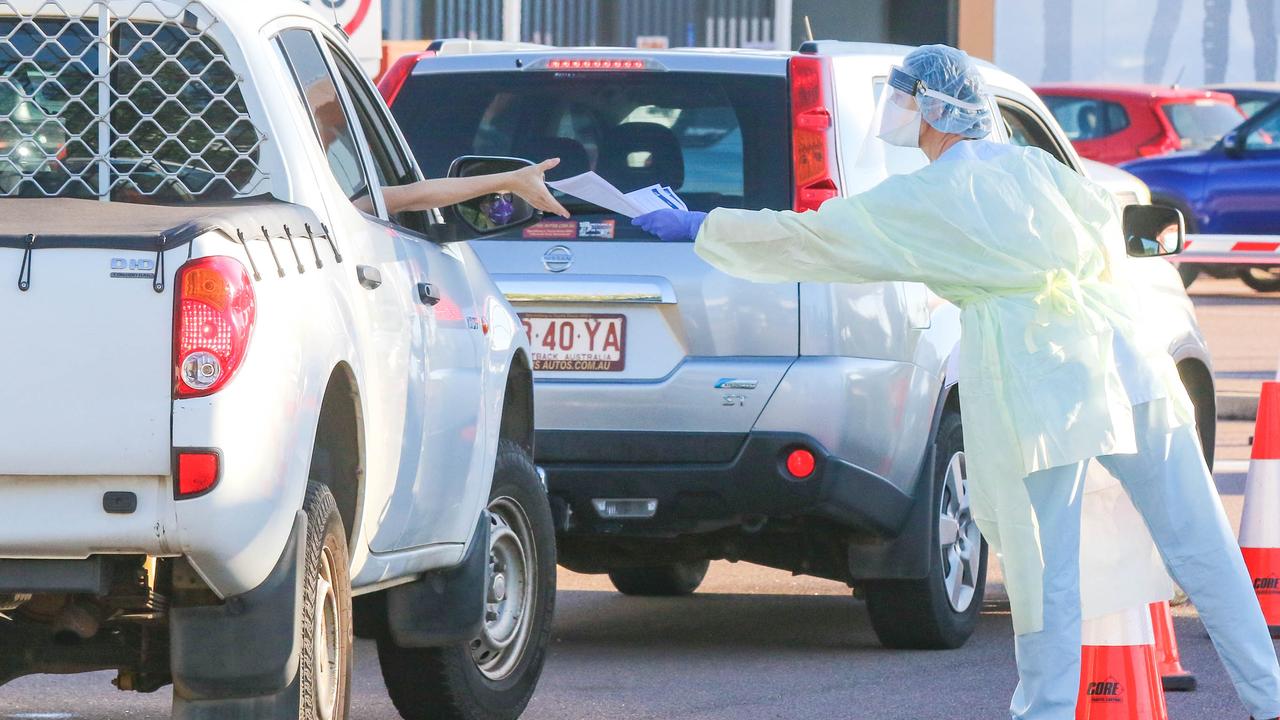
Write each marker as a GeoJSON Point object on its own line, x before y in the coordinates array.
{"type": "Point", "coordinates": [1060, 295]}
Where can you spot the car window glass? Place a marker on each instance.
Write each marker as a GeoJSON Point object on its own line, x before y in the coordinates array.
{"type": "Point", "coordinates": [1117, 118]}
{"type": "Point", "coordinates": [1200, 124]}
{"type": "Point", "coordinates": [1252, 106]}
{"type": "Point", "coordinates": [1027, 130]}
{"type": "Point", "coordinates": [1087, 118]}
{"type": "Point", "coordinates": [1265, 136]}
{"type": "Point", "coordinates": [389, 163]}
{"type": "Point", "coordinates": [328, 116]}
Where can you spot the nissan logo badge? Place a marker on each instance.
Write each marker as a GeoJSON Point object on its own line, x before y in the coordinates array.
{"type": "Point", "coordinates": [557, 259]}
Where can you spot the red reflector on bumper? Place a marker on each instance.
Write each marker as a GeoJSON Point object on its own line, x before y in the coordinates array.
{"type": "Point", "coordinates": [197, 472]}
{"type": "Point", "coordinates": [801, 463]}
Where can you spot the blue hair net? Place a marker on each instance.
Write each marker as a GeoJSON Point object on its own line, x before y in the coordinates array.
{"type": "Point", "coordinates": [949, 71]}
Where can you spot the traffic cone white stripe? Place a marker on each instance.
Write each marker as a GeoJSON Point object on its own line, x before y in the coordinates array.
{"type": "Point", "coordinates": [1260, 524]}
{"type": "Point", "coordinates": [1127, 627]}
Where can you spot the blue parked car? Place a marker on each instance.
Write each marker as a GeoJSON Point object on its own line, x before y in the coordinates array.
{"type": "Point", "coordinates": [1233, 188]}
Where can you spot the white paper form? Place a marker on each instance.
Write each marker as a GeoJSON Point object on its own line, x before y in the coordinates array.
{"type": "Point", "coordinates": [598, 191]}
{"type": "Point", "coordinates": [652, 198]}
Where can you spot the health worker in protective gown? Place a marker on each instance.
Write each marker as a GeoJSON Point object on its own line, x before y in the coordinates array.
{"type": "Point", "coordinates": [1056, 367]}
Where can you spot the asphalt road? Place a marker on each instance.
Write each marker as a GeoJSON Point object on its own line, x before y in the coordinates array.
{"type": "Point", "coordinates": [757, 643]}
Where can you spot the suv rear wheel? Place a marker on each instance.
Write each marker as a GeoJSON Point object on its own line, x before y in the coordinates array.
{"type": "Point", "coordinates": [941, 610]}
{"type": "Point", "coordinates": [493, 676]}
{"type": "Point", "coordinates": [672, 580]}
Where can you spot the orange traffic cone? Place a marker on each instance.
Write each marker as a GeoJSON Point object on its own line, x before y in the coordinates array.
{"type": "Point", "coordinates": [1173, 676]}
{"type": "Point", "coordinates": [1260, 524]}
{"type": "Point", "coordinates": [1118, 676]}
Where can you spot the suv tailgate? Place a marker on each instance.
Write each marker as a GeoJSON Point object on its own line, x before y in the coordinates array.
{"type": "Point", "coordinates": [617, 319]}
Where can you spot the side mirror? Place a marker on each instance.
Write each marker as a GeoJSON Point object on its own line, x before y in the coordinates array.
{"type": "Point", "coordinates": [1153, 230]}
{"type": "Point", "coordinates": [489, 213]}
{"type": "Point", "coordinates": [1233, 144]}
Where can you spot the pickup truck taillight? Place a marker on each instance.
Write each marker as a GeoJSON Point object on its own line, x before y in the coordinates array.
{"type": "Point", "coordinates": [197, 472]}
{"type": "Point", "coordinates": [213, 319]}
{"type": "Point", "coordinates": [813, 142]}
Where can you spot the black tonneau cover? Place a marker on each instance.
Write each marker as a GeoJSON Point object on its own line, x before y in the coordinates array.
{"type": "Point", "coordinates": [40, 223]}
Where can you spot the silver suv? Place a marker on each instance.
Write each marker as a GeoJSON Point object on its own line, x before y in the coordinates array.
{"type": "Point", "coordinates": [685, 415]}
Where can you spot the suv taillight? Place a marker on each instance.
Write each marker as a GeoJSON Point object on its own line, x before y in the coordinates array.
{"type": "Point", "coordinates": [393, 79]}
{"type": "Point", "coordinates": [213, 319]}
{"type": "Point", "coordinates": [813, 143]}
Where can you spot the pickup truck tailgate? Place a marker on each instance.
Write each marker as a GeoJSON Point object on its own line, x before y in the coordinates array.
{"type": "Point", "coordinates": [86, 363]}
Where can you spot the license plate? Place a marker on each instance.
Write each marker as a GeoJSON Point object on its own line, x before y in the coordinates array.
{"type": "Point", "coordinates": [577, 343]}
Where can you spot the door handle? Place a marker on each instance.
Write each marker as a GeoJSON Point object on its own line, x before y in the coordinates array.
{"type": "Point", "coordinates": [369, 277]}
{"type": "Point", "coordinates": [427, 294]}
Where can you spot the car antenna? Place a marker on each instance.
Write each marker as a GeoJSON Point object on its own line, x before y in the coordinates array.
{"type": "Point", "coordinates": [334, 7]}
{"type": "Point", "coordinates": [808, 28]}
{"type": "Point", "coordinates": [1179, 76]}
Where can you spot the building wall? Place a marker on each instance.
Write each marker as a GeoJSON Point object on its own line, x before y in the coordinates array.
{"type": "Point", "coordinates": [706, 23]}
{"type": "Point", "coordinates": [1156, 41]}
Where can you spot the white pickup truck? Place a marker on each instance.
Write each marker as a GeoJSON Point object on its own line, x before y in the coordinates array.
{"type": "Point", "coordinates": [238, 392]}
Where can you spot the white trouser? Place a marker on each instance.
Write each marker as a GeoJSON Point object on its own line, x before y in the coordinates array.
{"type": "Point", "coordinates": [1171, 487]}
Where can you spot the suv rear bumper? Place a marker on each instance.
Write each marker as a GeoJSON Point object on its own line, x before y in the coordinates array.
{"type": "Point", "coordinates": [710, 481]}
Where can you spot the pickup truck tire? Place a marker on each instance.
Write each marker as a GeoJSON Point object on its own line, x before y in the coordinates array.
{"type": "Point", "coordinates": [672, 580]}
{"type": "Point", "coordinates": [941, 610]}
{"type": "Point", "coordinates": [493, 676]}
{"type": "Point", "coordinates": [328, 644]}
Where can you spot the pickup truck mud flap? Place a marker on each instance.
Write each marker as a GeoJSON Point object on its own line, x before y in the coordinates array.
{"type": "Point", "coordinates": [443, 607]}
{"type": "Point", "coordinates": [240, 659]}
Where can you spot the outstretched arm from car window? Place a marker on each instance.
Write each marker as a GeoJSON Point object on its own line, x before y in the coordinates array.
{"type": "Point", "coordinates": [898, 230]}
{"type": "Point", "coordinates": [528, 182]}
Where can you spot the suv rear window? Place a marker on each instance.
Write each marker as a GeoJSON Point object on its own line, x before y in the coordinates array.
{"type": "Point", "coordinates": [718, 140]}
{"type": "Point", "coordinates": [1201, 124]}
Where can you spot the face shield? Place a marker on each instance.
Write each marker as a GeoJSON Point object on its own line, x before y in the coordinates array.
{"type": "Point", "coordinates": [897, 118]}
{"type": "Point", "coordinates": [906, 100]}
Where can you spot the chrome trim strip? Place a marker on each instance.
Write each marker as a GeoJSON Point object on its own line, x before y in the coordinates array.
{"type": "Point", "coordinates": [525, 289]}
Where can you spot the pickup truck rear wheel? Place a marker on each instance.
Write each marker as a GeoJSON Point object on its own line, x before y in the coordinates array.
{"type": "Point", "coordinates": [941, 610]}
{"type": "Point", "coordinates": [492, 676]}
{"type": "Point", "coordinates": [327, 639]}
{"type": "Point", "coordinates": [672, 580]}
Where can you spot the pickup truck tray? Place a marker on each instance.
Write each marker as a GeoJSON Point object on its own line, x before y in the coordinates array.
{"type": "Point", "coordinates": [38, 223]}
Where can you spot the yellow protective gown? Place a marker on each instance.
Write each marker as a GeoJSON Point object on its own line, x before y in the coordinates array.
{"type": "Point", "coordinates": [1031, 253]}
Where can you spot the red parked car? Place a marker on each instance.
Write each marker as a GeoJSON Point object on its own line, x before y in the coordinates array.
{"type": "Point", "coordinates": [1115, 123]}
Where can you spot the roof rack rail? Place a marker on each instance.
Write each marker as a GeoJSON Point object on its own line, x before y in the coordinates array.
{"type": "Point", "coordinates": [463, 46]}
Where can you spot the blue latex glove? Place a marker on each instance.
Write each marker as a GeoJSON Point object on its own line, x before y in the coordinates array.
{"type": "Point", "coordinates": [671, 224]}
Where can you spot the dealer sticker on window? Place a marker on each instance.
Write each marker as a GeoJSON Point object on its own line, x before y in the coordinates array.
{"type": "Point", "coordinates": [600, 230]}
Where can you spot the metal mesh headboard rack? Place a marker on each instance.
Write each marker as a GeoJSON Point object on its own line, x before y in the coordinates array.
{"type": "Point", "coordinates": [121, 99]}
